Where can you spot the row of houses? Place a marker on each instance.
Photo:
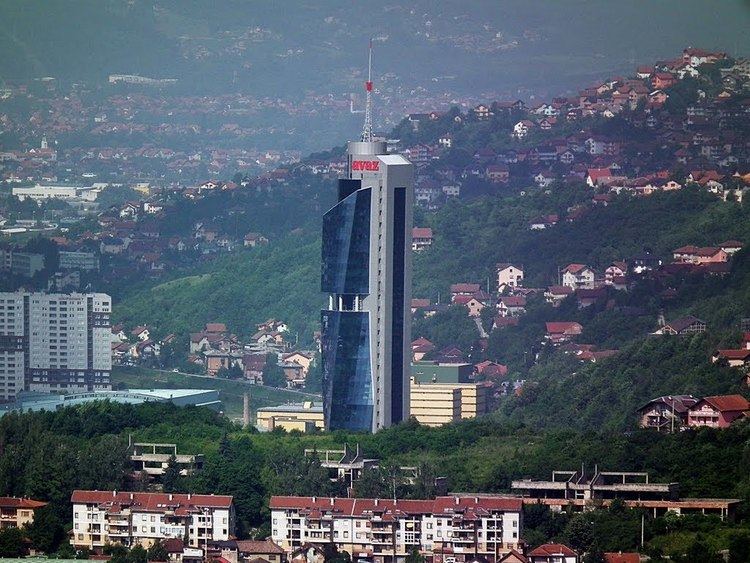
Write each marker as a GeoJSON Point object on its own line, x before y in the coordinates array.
{"type": "Point", "coordinates": [678, 412]}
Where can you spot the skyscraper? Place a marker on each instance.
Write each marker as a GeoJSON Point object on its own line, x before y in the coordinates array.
{"type": "Point", "coordinates": [366, 271]}
{"type": "Point", "coordinates": [53, 342]}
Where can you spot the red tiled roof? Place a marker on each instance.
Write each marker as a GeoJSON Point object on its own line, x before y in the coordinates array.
{"type": "Point", "coordinates": [548, 549]}
{"type": "Point", "coordinates": [151, 502]}
{"type": "Point", "coordinates": [596, 173]}
{"type": "Point", "coordinates": [734, 354]}
{"type": "Point", "coordinates": [258, 547]}
{"type": "Point", "coordinates": [465, 288]}
{"type": "Point", "coordinates": [574, 268]}
{"type": "Point", "coordinates": [421, 232]}
{"type": "Point", "coordinates": [724, 403]}
{"type": "Point", "coordinates": [562, 327]}
{"type": "Point", "coordinates": [631, 557]}
{"type": "Point", "coordinates": [216, 327]}
{"type": "Point", "coordinates": [514, 301]}
{"type": "Point", "coordinates": [16, 502]}
{"type": "Point", "coordinates": [359, 507]}
{"type": "Point", "coordinates": [560, 290]}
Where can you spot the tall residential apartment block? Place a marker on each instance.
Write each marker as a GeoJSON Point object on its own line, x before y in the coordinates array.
{"type": "Point", "coordinates": [54, 342]}
{"type": "Point", "coordinates": [105, 517]}
{"type": "Point", "coordinates": [455, 528]}
{"type": "Point", "coordinates": [366, 271]}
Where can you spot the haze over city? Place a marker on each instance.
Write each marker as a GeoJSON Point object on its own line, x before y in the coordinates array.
{"type": "Point", "coordinates": [414, 282]}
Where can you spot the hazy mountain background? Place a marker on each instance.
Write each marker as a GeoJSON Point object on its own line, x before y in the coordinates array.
{"type": "Point", "coordinates": [429, 55]}
{"type": "Point", "coordinates": [285, 48]}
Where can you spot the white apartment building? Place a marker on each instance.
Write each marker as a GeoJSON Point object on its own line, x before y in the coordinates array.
{"type": "Point", "coordinates": [76, 260]}
{"type": "Point", "coordinates": [24, 264]}
{"type": "Point", "coordinates": [54, 342]}
{"type": "Point", "coordinates": [102, 517]}
{"type": "Point", "coordinates": [453, 528]}
{"type": "Point", "coordinates": [64, 192]}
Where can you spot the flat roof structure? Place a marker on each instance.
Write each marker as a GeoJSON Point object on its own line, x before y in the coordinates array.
{"type": "Point", "coordinates": [30, 401]}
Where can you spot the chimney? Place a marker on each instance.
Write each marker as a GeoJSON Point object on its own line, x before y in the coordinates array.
{"type": "Point", "coordinates": [114, 493]}
{"type": "Point", "coordinates": [189, 495]}
{"type": "Point", "coordinates": [332, 501]}
{"type": "Point", "coordinates": [131, 496]}
{"type": "Point", "coordinates": [170, 496]}
{"type": "Point", "coordinates": [376, 502]}
{"type": "Point", "coordinates": [314, 499]}
{"type": "Point", "coordinates": [456, 501]}
{"type": "Point", "coordinates": [246, 411]}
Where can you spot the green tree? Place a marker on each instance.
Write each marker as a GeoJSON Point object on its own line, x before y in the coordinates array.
{"type": "Point", "coordinates": [273, 374]}
{"type": "Point", "coordinates": [11, 542]}
{"type": "Point", "coordinates": [172, 480]}
{"type": "Point", "coordinates": [46, 532]}
{"type": "Point", "coordinates": [137, 554]}
{"type": "Point", "coordinates": [157, 552]}
{"type": "Point", "coordinates": [414, 557]}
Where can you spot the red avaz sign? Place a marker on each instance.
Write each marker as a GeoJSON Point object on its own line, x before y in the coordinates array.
{"type": "Point", "coordinates": [366, 165]}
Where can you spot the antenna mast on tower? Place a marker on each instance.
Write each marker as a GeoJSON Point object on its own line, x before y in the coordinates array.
{"type": "Point", "coordinates": [367, 127]}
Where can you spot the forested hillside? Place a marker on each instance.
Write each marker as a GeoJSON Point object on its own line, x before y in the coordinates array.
{"type": "Point", "coordinates": [47, 455]}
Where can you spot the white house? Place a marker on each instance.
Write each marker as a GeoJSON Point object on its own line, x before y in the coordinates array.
{"type": "Point", "coordinates": [509, 276]}
{"type": "Point", "coordinates": [578, 276]}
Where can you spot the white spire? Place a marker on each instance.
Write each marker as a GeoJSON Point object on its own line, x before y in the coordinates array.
{"type": "Point", "coordinates": [367, 127]}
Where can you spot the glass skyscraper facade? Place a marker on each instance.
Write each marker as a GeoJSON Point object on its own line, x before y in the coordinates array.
{"type": "Point", "coordinates": [366, 272]}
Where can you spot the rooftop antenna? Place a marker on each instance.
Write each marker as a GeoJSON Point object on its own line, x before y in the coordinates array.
{"type": "Point", "coordinates": [367, 127]}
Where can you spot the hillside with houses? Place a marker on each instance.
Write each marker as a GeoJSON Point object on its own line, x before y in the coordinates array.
{"type": "Point", "coordinates": [554, 243]}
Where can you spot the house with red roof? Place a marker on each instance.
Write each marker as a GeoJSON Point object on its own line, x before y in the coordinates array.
{"type": "Point", "coordinates": [733, 358]}
{"type": "Point", "coordinates": [552, 553]}
{"type": "Point", "coordinates": [622, 557]}
{"type": "Point", "coordinates": [472, 303]}
{"type": "Point", "coordinates": [699, 254]}
{"type": "Point", "coordinates": [666, 413]}
{"type": "Point", "coordinates": [578, 276]}
{"type": "Point", "coordinates": [18, 512]}
{"type": "Point", "coordinates": [508, 276]}
{"type": "Point", "coordinates": [544, 222]}
{"type": "Point", "coordinates": [490, 370]}
{"type": "Point", "coordinates": [556, 293]}
{"type": "Point", "coordinates": [718, 411]}
{"type": "Point", "coordinates": [421, 347]}
{"type": "Point", "coordinates": [597, 176]}
{"type": "Point", "coordinates": [562, 331]}
{"type": "Point", "coordinates": [683, 326]}
{"type": "Point", "coordinates": [513, 556]}
{"type": "Point", "coordinates": [511, 305]}
{"type": "Point", "coordinates": [421, 238]}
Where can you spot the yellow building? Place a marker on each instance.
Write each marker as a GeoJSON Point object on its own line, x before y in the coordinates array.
{"type": "Point", "coordinates": [295, 416]}
{"type": "Point", "coordinates": [17, 512]}
{"type": "Point", "coordinates": [435, 404]}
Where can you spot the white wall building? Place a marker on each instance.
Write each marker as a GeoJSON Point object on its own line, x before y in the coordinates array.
{"type": "Point", "coordinates": [63, 339]}
{"type": "Point", "coordinates": [387, 530]}
{"type": "Point", "coordinates": [64, 192]}
{"type": "Point", "coordinates": [102, 517]}
{"type": "Point", "coordinates": [76, 260]}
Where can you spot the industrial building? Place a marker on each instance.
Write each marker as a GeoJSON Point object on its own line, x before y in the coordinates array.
{"type": "Point", "coordinates": [31, 401]}
{"type": "Point", "coordinates": [304, 417]}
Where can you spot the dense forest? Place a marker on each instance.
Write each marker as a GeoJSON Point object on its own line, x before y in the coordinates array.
{"type": "Point", "coordinates": [46, 455]}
